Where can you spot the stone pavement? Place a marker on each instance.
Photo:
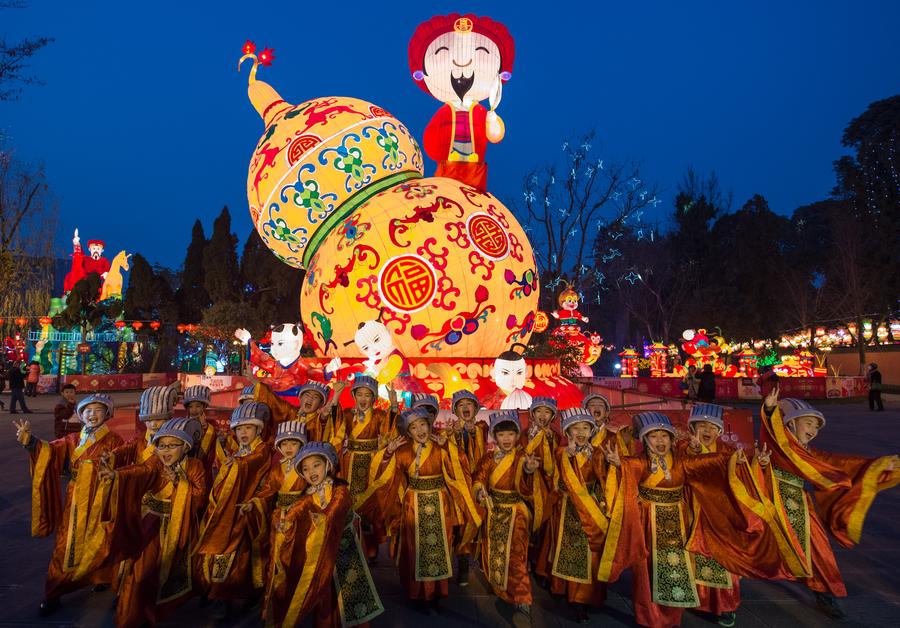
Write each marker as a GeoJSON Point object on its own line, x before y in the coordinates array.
{"type": "Point", "coordinates": [870, 570]}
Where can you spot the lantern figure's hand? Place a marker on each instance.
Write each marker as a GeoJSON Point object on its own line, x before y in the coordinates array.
{"type": "Point", "coordinates": [242, 334]}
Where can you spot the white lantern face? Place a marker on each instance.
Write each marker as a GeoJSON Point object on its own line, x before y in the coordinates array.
{"type": "Point", "coordinates": [287, 340]}
{"type": "Point", "coordinates": [509, 375]}
{"type": "Point", "coordinates": [461, 68]}
{"type": "Point", "coordinates": [374, 340]}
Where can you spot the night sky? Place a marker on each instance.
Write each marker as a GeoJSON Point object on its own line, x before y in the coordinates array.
{"type": "Point", "coordinates": [143, 122]}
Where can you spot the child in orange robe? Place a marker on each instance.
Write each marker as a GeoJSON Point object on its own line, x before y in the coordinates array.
{"type": "Point", "coordinates": [542, 440]}
{"type": "Point", "coordinates": [505, 484]}
{"type": "Point", "coordinates": [210, 449]}
{"type": "Point", "coordinates": [357, 434]}
{"type": "Point", "coordinates": [470, 436]}
{"type": "Point", "coordinates": [228, 550]}
{"type": "Point", "coordinates": [156, 405]}
{"type": "Point", "coordinates": [423, 487]}
{"type": "Point", "coordinates": [844, 487]}
{"type": "Point", "coordinates": [576, 521]}
{"type": "Point", "coordinates": [310, 410]}
{"type": "Point", "coordinates": [80, 541]}
{"type": "Point", "coordinates": [154, 524]}
{"type": "Point", "coordinates": [718, 590]}
{"type": "Point", "coordinates": [319, 564]}
{"type": "Point", "coordinates": [282, 488]}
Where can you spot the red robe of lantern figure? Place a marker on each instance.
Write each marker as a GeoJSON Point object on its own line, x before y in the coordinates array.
{"type": "Point", "coordinates": [462, 60]}
{"type": "Point", "coordinates": [83, 265]}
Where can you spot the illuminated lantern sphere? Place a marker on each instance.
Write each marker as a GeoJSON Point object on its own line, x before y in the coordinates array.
{"type": "Point", "coordinates": [136, 325]}
{"type": "Point", "coordinates": [21, 321]}
{"type": "Point", "coordinates": [316, 163]}
{"type": "Point", "coordinates": [2, 320]}
{"type": "Point", "coordinates": [119, 324]}
{"type": "Point", "coordinates": [447, 269]}
{"type": "Point", "coordinates": [45, 320]}
{"type": "Point", "coordinates": [180, 327]}
{"type": "Point", "coordinates": [154, 325]}
{"type": "Point", "coordinates": [541, 321]}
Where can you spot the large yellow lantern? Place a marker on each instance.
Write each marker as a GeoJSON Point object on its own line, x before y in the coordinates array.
{"type": "Point", "coordinates": [335, 186]}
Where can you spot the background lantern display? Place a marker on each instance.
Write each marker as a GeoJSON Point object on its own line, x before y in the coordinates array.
{"type": "Point", "coordinates": [335, 186]}
{"type": "Point", "coordinates": [657, 354]}
{"type": "Point", "coordinates": [629, 360]}
{"type": "Point", "coordinates": [747, 359]}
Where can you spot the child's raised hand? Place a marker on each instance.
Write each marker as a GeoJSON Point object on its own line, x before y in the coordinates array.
{"type": "Point", "coordinates": [612, 455]}
{"type": "Point", "coordinates": [764, 455]}
{"type": "Point", "coordinates": [570, 448]}
{"type": "Point", "coordinates": [696, 447]}
{"type": "Point", "coordinates": [532, 462]}
{"type": "Point", "coordinates": [438, 438]}
{"type": "Point", "coordinates": [23, 431]}
{"type": "Point", "coordinates": [392, 396]}
{"type": "Point", "coordinates": [395, 444]}
{"type": "Point", "coordinates": [772, 398]}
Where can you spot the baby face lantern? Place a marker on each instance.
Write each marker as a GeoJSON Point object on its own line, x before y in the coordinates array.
{"type": "Point", "coordinates": [509, 371]}
{"type": "Point", "coordinates": [287, 340]}
{"type": "Point", "coordinates": [375, 341]}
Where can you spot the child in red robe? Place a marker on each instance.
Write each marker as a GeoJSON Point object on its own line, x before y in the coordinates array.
{"type": "Point", "coordinates": [322, 566]}
{"type": "Point", "coordinates": [81, 543]}
{"type": "Point", "coordinates": [229, 552]}
{"type": "Point", "coordinates": [844, 487]}
{"type": "Point", "coordinates": [156, 504]}
{"type": "Point", "coordinates": [505, 484]}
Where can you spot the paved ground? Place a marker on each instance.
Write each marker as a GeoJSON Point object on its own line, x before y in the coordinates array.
{"type": "Point", "coordinates": [871, 570]}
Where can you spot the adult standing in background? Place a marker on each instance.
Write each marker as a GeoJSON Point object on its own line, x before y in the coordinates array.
{"type": "Point", "coordinates": [32, 378]}
{"type": "Point", "coordinates": [17, 388]}
{"type": "Point", "coordinates": [874, 377]}
{"type": "Point", "coordinates": [706, 391]}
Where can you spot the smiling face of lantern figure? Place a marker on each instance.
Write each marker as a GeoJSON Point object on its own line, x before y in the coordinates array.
{"type": "Point", "coordinates": [460, 68]}
{"type": "Point", "coordinates": [706, 432]}
{"type": "Point", "coordinates": [542, 416]}
{"type": "Point", "coordinates": [246, 433]}
{"type": "Point", "coordinates": [364, 399]}
{"type": "Point", "coordinates": [805, 428]}
{"type": "Point", "coordinates": [419, 430]}
{"type": "Point", "coordinates": [310, 401]}
{"type": "Point", "coordinates": [659, 442]}
{"type": "Point", "coordinates": [171, 450]}
{"type": "Point", "coordinates": [374, 340]}
{"type": "Point", "coordinates": [580, 433]}
{"type": "Point", "coordinates": [96, 251]}
{"type": "Point", "coordinates": [570, 304]}
{"type": "Point", "coordinates": [509, 375]}
{"type": "Point", "coordinates": [314, 469]}
{"type": "Point", "coordinates": [466, 409]}
{"type": "Point", "coordinates": [506, 439]}
{"type": "Point", "coordinates": [94, 415]}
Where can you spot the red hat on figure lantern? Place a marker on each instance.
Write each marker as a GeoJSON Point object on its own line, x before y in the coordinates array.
{"type": "Point", "coordinates": [429, 31]}
{"type": "Point", "coordinates": [99, 243]}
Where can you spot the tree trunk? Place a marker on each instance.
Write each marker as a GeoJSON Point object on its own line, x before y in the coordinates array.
{"type": "Point", "coordinates": [861, 345]}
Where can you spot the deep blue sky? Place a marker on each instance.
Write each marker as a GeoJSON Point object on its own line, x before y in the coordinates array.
{"type": "Point", "coordinates": [143, 122]}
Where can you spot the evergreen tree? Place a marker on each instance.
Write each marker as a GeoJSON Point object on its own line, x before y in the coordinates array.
{"type": "Point", "coordinates": [220, 262]}
{"type": "Point", "coordinates": [269, 285]}
{"type": "Point", "coordinates": [192, 296]}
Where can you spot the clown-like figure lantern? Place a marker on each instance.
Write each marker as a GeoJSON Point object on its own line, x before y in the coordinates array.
{"type": "Point", "coordinates": [384, 361]}
{"type": "Point", "coordinates": [462, 60]}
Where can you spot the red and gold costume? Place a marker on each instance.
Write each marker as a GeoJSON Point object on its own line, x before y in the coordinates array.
{"type": "Point", "coordinates": [451, 128]}
{"type": "Point", "coordinates": [718, 590]}
{"type": "Point", "coordinates": [282, 410]}
{"type": "Point", "coordinates": [155, 527]}
{"type": "Point", "coordinates": [229, 551]}
{"type": "Point", "coordinates": [577, 527]}
{"type": "Point", "coordinates": [844, 487]}
{"type": "Point", "coordinates": [542, 443]}
{"type": "Point", "coordinates": [81, 542]}
{"type": "Point", "coordinates": [319, 567]}
{"type": "Point", "coordinates": [363, 434]}
{"type": "Point", "coordinates": [423, 491]}
{"type": "Point", "coordinates": [472, 443]}
{"type": "Point", "coordinates": [509, 524]}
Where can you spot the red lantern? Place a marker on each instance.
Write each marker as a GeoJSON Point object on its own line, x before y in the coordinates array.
{"type": "Point", "coordinates": [541, 321]}
{"type": "Point", "coordinates": [136, 325]}
{"type": "Point", "coordinates": [119, 324]}
{"type": "Point", "coordinates": [191, 328]}
{"type": "Point", "coordinates": [45, 320]}
{"type": "Point", "coordinates": [180, 328]}
{"type": "Point", "coordinates": [2, 320]}
{"type": "Point", "coordinates": [154, 325]}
